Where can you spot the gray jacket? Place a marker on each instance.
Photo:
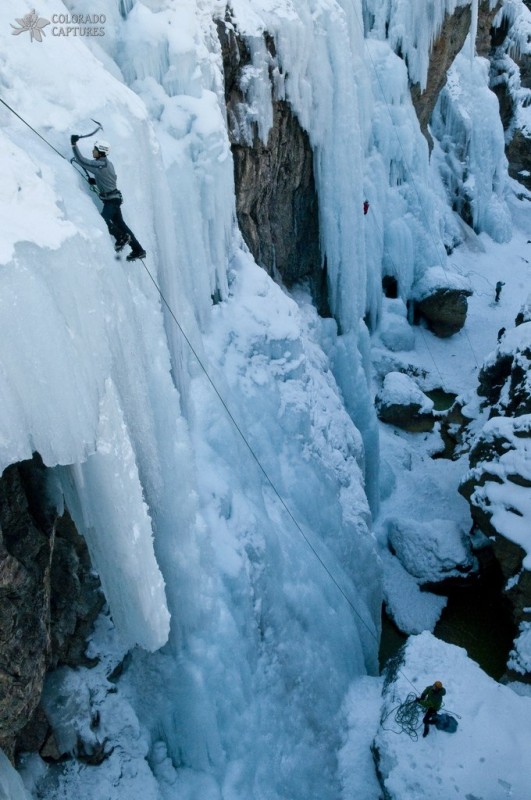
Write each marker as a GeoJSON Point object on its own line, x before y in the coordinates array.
{"type": "Point", "coordinates": [103, 172]}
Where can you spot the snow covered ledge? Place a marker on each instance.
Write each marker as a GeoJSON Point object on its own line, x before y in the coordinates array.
{"type": "Point", "coordinates": [487, 757]}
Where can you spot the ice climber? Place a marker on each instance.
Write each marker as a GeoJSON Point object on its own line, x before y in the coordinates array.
{"type": "Point", "coordinates": [499, 286]}
{"type": "Point", "coordinates": [431, 699]}
{"type": "Point", "coordinates": [105, 181]}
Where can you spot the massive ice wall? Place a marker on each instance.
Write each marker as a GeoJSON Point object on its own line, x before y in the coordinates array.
{"type": "Point", "coordinates": [270, 619]}
{"type": "Point", "coordinates": [183, 529]}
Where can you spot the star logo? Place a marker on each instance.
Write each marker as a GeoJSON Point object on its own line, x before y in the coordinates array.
{"type": "Point", "coordinates": [32, 23]}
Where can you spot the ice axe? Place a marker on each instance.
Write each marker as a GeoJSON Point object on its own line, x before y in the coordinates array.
{"type": "Point", "coordinates": [85, 174]}
{"type": "Point", "coordinates": [88, 135]}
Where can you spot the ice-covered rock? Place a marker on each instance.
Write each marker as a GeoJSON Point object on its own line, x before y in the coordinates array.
{"type": "Point", "coordinates": [441, 298]}
{"type": "Point", "coordinates": [431, 551]}
{"type": "Point", "coordinates": [412, 610]}
{"type": "Point", "coordinates": [400, 402]}
{"type": "Point", "coordinates": [396, 333]}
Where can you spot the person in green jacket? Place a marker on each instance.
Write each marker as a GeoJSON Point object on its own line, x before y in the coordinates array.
{"type": "Point", "coordinates": [431, 699]}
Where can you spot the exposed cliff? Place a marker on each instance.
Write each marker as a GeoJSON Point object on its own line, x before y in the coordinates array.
{"type": "Point", "coordinates": [49, 598]}
{"type": "Point", "coordinates": [276, 199]}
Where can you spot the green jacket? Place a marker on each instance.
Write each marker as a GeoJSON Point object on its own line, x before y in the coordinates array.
{"type": "Point", "coordinates": [432, 698]}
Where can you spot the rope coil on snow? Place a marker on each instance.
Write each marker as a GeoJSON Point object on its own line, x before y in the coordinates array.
{"type": "Point", "coordinates": [406, 716]}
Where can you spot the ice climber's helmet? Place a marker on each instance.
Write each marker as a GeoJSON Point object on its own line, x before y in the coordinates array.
{"type": "Point", "coordinates": [102, 146]}
{"type": "Point", "coordinates": [437, 685]}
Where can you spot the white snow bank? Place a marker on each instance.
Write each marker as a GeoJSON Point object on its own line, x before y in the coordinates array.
{"type": "Point", "coordinates": [396, 333]}
{"type": "Point", "coordinates": [436, 278]}
{"type": "Point", "coordinates": [487, 757]}
{"type": "Point", "coordinates": [412, 610]}
{"type": "Point", "coordinates": [399, 389]}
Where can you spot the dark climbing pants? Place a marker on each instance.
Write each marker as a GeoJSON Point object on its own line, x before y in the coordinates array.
{"type": "Point", "coordinates": [112, 215]}
{"type": "Point", "coordinates": [428, 720]}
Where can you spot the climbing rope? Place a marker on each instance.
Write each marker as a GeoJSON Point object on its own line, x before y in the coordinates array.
{"type": "Point", "coordinates": [257, 460]}
{"type": "Point", "coordinates": [33, 129]}
{"type": "Point", "coordinates": [407, 716]}
{"type": "Point", "coordinates": [78, 167]}
{"type": "Point", "coordinates": [237, 427]}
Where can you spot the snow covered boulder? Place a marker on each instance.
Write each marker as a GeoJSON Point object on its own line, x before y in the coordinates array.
{"type": "Point", "coordinates": [441, 298]}
{"type": "Point", "coordinates": [487, 757]}
{"type": "Point", "coordinates": [400, 402]}
{"type": "Point", "coordinates": [430, 551]}
{"type": "Point", "coordinates": [396, 333]}
{"type": "Point", "coordinates": [412, 609]}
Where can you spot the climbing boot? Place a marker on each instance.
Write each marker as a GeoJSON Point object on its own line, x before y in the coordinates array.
{"type": "Point", "coordinates": [133, 256]}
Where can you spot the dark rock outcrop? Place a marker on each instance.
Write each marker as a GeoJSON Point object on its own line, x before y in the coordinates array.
{"type": "Point", "coordinates": [49, 598]}
{"type": "Point", "coordinates": [445, 310]}
{"type": "Point", "coordinates": [400, 402]}
{"type": "Point", "coordinates": [447, 45]}
{"type": "Point", "coordinates": [276, 199]}
{"type": "Point", "coordinates": [409, 418]}
{"type": "Point", "coordinates": [524, 315]}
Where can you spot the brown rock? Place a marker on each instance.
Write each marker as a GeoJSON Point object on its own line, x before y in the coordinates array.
{"type": "Point", "coordinates": [276, 198]}
{"type": "Point", "coordinates": [49, 598]}
{"type": "Point", "coordinates": [409, 418]}
{"type": "Point", "coordinates": [445, 48]}
{"type": "Point", "coordinates": [445, 311]}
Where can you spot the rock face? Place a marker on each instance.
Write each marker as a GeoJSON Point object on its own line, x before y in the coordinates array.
{"type": "Point", "coordinates": [276, 200]}
{"type": "Point", "coordinates": [48, 598]}
{"type": "Point", "coordinates": [445, 48]}
{"type": "Point", "coordinates": [450, 41]}
{"type": "Point", "coordinates": [445, 311]}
